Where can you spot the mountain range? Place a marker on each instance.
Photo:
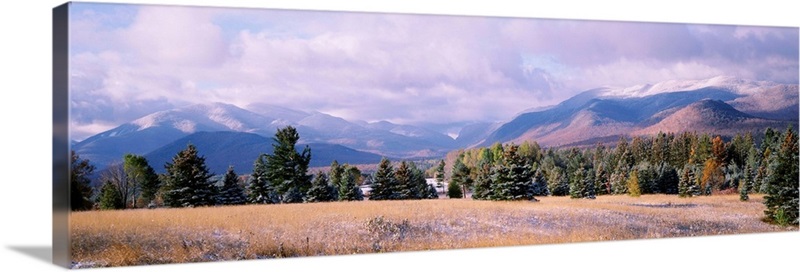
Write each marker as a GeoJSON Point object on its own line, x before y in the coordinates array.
{"type": "Point", "coordinates": [230, 135]}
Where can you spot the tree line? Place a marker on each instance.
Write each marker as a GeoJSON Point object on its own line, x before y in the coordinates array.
{"type": "Point", "coordinates": [280, 177]}
{"type": "Point", "coordinates": [686, 164]}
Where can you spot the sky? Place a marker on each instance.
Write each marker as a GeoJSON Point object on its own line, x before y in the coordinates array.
{"type": "Point", "coordinates": [127, 61]}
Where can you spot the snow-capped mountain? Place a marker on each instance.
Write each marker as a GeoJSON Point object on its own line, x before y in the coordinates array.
{"type": "Point", "coordinates": [154, 130]}
{"type": "Point", "coordinates": [737, 86]}
{"type": "Point", "coordinates": [720, 105]}
{"type": "Point", "coordinates": [151, 132]}
{"type": "Point", "coordinates": [607, 113]}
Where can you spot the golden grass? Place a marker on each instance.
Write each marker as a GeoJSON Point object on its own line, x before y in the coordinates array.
{"type": "Point", "coordinates": [135, 237]}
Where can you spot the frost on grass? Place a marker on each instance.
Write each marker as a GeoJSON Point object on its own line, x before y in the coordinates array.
{"type": "Point", "coordinates": [120, 238]}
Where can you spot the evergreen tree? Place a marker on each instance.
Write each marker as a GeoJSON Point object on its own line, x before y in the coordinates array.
{"type": "Point", "coordinates": [405, 189]}
{"type": "Point", "coordinates": [512, 179]}
{"type": "Point", "coordinates": [701, 149]}
{"type": "Point", "coordinates": [259, 190]}
{"type": "Point", "coordinates": [287, 170]}
{"type": "Point", "coordinates": [320, 190]}
{"type": "Point", "coordinates": [646, 177]}
{"type": "Point", "coordinates": [454, 190]}
{"type": "Point", "coordinates": [231, 193]}
{"type": "Point", "coordinates": [733, 177]}
{"type": "Point", "coordinates": [601, 178]}
{"type": "Point", "coordinates": [188, 181]}
{"type": "Point", "coordinates": [482, 186]}
{"type": "Point", "coordinates": [460, 176]}
{"type": "Point", "coordinates": [687, 186]}
{"type": "Point", "coordinates": [743, 189]}
{"type": "Point", "coordinates": [576, 183]}
{"type": "Point", "coordinates": [557, 183]}
{"type": "Point", "coordinates": [666, 179]}
{"type": "Point", "coordinates": [419, 184]}
{"type": "Point", "coordinates": [383, 184]}
{"type": "Point", "coordinates": [110, 197]}
{"type": "Point", "coordinates": [660, 149]}
{"type": "Point", "coordinates": [440, 175]}
{"type": "Point", "coordinates": [79, 183]}
{"type": "Point", "coordinates": [782, 193]}
{"type": "Point", "coordinates": [619, 180]}
{"type": "Point", "coordinates": [680, 149]}
{"type": "Point", "coordinates": [622, 154]}
{"type": "Point", "coordinates": [751, 168]}
{"type": "Point", "coordinates": [432, 192]}
{"type": "Point", "coordinates": [349, 190]}
{"type": "Point", "coordinates": [335, 174]}
{"type": "Point", "coordinates": [589, 191]}
{"type": "Point", "coordinates": [539, 186]}
{"type": "Point", "coordinates": [143, 177]}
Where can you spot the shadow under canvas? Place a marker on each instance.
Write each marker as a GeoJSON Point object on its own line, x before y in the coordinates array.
{"type": "Point", "coordinates": [42, 253]}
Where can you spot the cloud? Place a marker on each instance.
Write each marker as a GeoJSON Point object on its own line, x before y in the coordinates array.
{"type": "Point", "coordinates": [402, 68]}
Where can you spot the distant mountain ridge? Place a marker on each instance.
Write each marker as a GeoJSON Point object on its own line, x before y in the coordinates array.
{"type": "Point", "coordinates": [604, 112]}
{"type": "Point", "coordinates": [151, 132]}
{"type": "Point", "coordinates": [240, 150]}
{"type": "Point", "coordinates": [721, 105]}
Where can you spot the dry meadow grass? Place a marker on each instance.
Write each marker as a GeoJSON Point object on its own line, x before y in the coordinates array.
{"type": "Point", "coordinates": [136, 237]}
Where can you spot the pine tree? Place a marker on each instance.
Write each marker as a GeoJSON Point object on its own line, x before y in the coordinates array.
{"type": "Point", "coordinates": [80, 189]}
{"type": "Point", "coordinates": [601, 179]}
{"type": "Point", "coordinates": [320, 190]}
{"type": "Point", "coordinates": [259, 190]}
{"type": "Point", "coordinates": [511, 180]}
{"type": "Point", "coordinates": [383, 184]}
{"type": "Point", "coordinates": [539, 183]}
{"type": "Point", "coordinates": [589, 191]}
{"type": "Point", "coordinates": [110, 197]}
{"type": "Point", "coordinates": [231, 193]}
{"type": "Point", "coordinates": [667, 179]}
{"type": "Point", "coordinates": [440, 175]}
{"type": "Point", "coordinates": [482, 186]}
{"type": "Point", "coordinates": [751, 167]}
{"type": "Point", "coordinates": [349, 190]}
{"type": "Point", "coordinates": [557, 182]}
{"type": "Point", "coordinates": [418, 182]}
{"type": "Point", "coordinates": [734, 176]}
{"type": "Point", "coordinates": [743, 189]}
{"type": "Point", "coordinates": [188, 181]}
{"type": "Point", "coordinates": [687, 187]}
{"type": "Point", "coordinates": [646, 176]}
{"type": "Point", "coordinates": [576, 184]}
{"type": "Point", "coordinates": [782, 191]}
{"type": "Point", "coordinates": [335, 175]}
{"type": "Point", "coordinates": [619, 180]}
{"type": "Point", "coordinates": [460, 176]}
{"type": "Point", "coordinates": [454, 190]}
{"type": "Point", "coordinates": [287, 170]}
{"type": "Point", "coordinates": [402, 174]}
{"type": "Point", "coordinates": [432, 192]}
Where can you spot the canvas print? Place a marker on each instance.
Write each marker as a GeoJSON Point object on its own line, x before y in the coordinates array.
{"type": "Point", "coordinates": [200, 134]}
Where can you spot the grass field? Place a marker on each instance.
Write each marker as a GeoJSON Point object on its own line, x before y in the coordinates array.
{"type": "Point", "coordinates": [135, 237]}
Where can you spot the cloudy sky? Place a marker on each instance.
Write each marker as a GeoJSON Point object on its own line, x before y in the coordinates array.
{"type": "Point", "coordinates": [128, 61]}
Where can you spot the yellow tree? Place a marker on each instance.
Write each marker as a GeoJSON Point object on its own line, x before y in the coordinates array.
{"type": "Point", "coordinates": [633, 184]}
